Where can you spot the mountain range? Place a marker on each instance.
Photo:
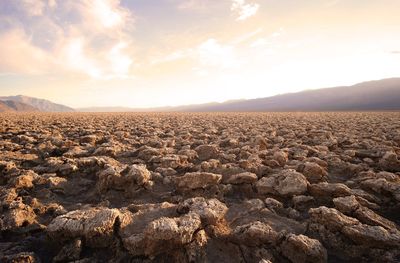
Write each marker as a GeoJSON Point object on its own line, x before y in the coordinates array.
{"type": "Point", "coordinates": [372, 95]}
{"type": "Point", "coordinates": [25, 103]}
{"type": "Point", "coordinates": [9, 105]}
{"type": "Point", "coordinates": [366, 96]}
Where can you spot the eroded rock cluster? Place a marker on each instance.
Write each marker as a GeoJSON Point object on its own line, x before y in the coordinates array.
{"type": "Point", "coordinates": [217, 187]}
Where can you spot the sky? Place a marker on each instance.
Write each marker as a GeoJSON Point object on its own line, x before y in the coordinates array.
{"type": "Point", "coordinates": [148, 53]}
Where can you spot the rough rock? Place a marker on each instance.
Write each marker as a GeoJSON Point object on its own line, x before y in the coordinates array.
{"type": "Point", "coordinates": [281, 157]}
{"type": "Point", "coordinates": [95, 225]}
{"type": "Point", "coordinates": [362, 234]}
{"type": "Point", "coordinates": [300, 248]}
{"type": "Point", "coordinates": [17, 215]}
{"type": "Point", "coordinates": [23, 181]}
{"type": "Point", "coordinates": [390, 162]}
{"type": "Point", "coordinates": [329, 190]}
{"type": "Point", "coordinates": [350, 206]}
{"type": "Point", "coordinates": [314, 173]}
{"type": "Point", "coordinates": [210, 210]}
{"type": "Point", "coordinates": [254, 234]}
{"type": "Point", "coordinates": [166, 233]}
{"type": "Point", "coordinates": [197, 180]}
{"type": "Point", "coordinates": [206, 152]}
{"type": "Point", "coordinates": [241, 178]}
{"type": "Point", "coordinates": [69, 252]}
{"type": "Point", "coordinates": [139, 174]}
{"type": "Point", "coordinates": [287, 183]}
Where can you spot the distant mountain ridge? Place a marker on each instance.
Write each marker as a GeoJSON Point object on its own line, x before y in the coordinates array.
{"type": "Point", "coordinates": [39, 104]}
{"type": "Point", "coordinates": [14, 106]}
{"type": "Point", "coordinates": [366, 96]}
{"type": "Point", "coordinates": [372, 95]}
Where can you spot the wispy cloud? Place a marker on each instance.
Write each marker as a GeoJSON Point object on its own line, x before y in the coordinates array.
{"type": "Point", "coordinates": [52, 3]}
{"type": "Point", "coordinates": [18, 55]}
{"type": "Point", "coordinates": [263, 41]}
{"type": "Point", "coordinates": [244, 10]}
{"type": "Point", "coordinates": [33, 7]}
{"type": "Point", "coordinates": [193, 5]}
{"type": "Point", "coordinates": [209, 55]}
{"type": "Point", "coordinates": [83, 37]}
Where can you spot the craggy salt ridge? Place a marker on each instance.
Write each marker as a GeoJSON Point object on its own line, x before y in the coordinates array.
{"type": "Point", "coordinates": [282, 187]}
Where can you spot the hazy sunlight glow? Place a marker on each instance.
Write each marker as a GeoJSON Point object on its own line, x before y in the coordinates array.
{"type": "Point", "coordinates": [172, 52]}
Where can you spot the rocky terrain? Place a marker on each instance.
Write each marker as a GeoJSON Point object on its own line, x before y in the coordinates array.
{"type": "Point", "coordinates": [217, 187]}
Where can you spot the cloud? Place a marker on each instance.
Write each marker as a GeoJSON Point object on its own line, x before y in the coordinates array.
{"type": "Point", "coordinates": [208, 56]}
{"type": "Point", "coordinates": [86, 37]}
{"type": "Point", "coordinates": [18, 55]}
{"type": "Point", "coordinates": [33, 7]}
{"type": "Point", "coordinates": [52, 3]}
{"type": "Point", "coordinates": [264, 41]}
{"type": "Point", "coordinates": [247, 36]}
{"type": "Point", "coordinates": [103, 15]}
{"type": "Point", "coordinates": [244, 10]}
{"type": "Point", "coordinates": [213, 54]}
{"type": "Point", "coordinates": [396, 52]}
{"type": "Point", "coordinates": [119, 61]}
{"type": "Point", "coordinates": [76, 56]}
{"type": "Point", "coordinates": [193, 5]}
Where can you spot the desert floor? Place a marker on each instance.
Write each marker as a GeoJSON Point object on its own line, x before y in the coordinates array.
{"type": "Point", "coordinates": [200, 187]}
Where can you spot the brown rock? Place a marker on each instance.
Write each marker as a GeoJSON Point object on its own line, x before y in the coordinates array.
{"type": "Point", "coordinates": [210, 210]}
{"type": "Point", "coordinates": [362, 234]}
{"type": "Point", "coordinates": [331, 218]}
{"type": "Point", "coordinates": [167, 233]}
{"type": "Point", "coordinates": [23, 181]}
{"type": "Point", "coordinates": [314, 173]}
{"type": "Point", "coordinates": [350, 206]}
{"type": "Point", "coordinates": [281, 157]}
{"type": "Point", "coordinates": [139, 174]}
{"type": "Point", "coordinates": [346, 204]}
{"type": "Point", "coordinates": [57, 183]}
{"type": "Point", "coordinates": [96, 225]}
{"type": "Point", "coordinates": [329, 190]}
{"type": "Point", "coordinates": [254, 234]}
{"type": "Point", "coordinates": [69, 252]}
{"type": "Point", "coordinates": [372, 236]}
{"type": "Point", "coordinates": [301, 249]}
{"type": "Point", "coordinates": [22, 257]}
{"type": "Point", "coordinates": [241, 178]}
{"type": "Point", "coordinates": [17, 215]}
{"type": "Point", "coordinates": [91, 139]}
{"type": "Point", "coordinates": [390, 162]}
{"type": "Point", "coordinates": [197, 180]}
{"type": "Point", "coordinates": [206, 152]}
{"type": "Point", "coordinates": [287, 183]}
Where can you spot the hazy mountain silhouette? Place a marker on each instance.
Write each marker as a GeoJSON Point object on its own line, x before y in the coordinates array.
{"type": "Point", "coordinates": [39, 104]}
{"type": "Point", "coordinates": [9, 105]}
{"type": "Point", "coordinates": [372, 95]}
